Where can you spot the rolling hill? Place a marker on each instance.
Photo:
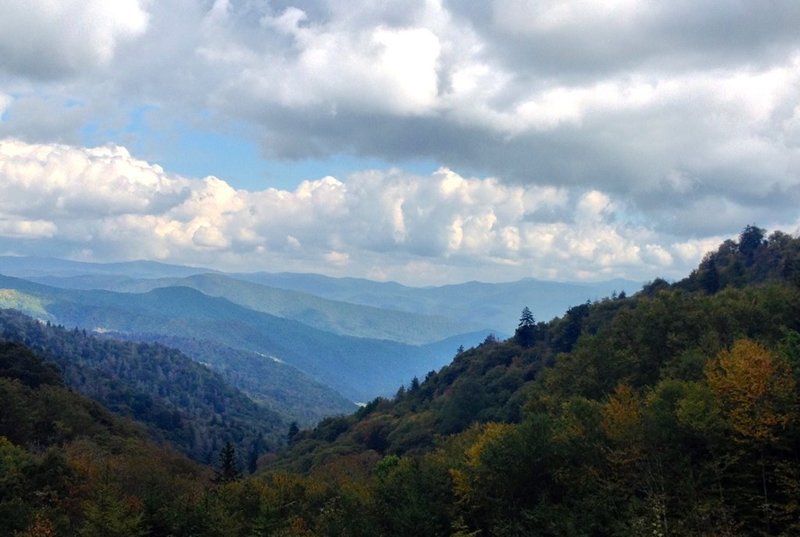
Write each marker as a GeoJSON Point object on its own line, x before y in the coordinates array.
{"type": "Point", "coordinates": [179, 400]}
{"type": "Point", "coordinates": [358, 368]}
{"type": "Point", "coordinates": [493, 305]}
{"type": "Point", "coordinates": [328, 315]}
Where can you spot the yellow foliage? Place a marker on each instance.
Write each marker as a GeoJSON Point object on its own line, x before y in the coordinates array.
{"type": "Point", "coordinates": [622, 415]}
{"type": "Point", "coordinates": [491, 433]}
{"type": "Point", "coordinates": [622, 424]}
{"type": "Point", "coordinates": [40, 527]}
{"type": "Point", "coordinates": [755, 389]}
{"type": "Point", "coordinates": [463, 479]}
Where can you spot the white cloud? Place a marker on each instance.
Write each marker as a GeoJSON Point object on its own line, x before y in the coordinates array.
{"type": "Point", "coordinates": [27, 229]}
{"type": "Point", "coordinates": [5, 100]}
{"type": "Point", "coordinates": [668, 111]}
{"type": "Point", "coordinates": [95, 183]}
{"type": "Point", "coordinates": [69, 201]}
{"type": "Point", "coordinates": [46, 38]}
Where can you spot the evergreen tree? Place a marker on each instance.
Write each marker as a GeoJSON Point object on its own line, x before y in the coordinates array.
{"type": "Point", "coordinates": [526, 330]}
{"type": "Point", "coordinates": [414, 384]}
{"type": "Point", "coordinates": [228, 469]}
{"type": "Point", "coordinates": [293, 430]}
{"type": "Point", "coordinates": [750, 240]}
{"type": "Point", "coordinates": [256, 448]}
{"type": "Point", "coordinates": [709, 277]}
{"type": "Point", "coordinates": [526, 319]}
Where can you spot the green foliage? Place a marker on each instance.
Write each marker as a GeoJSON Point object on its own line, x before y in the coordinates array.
{"type": "Point", "coordinates": [108, 514]}
{"type": "Point", "coordinates": [18, 362]}
{"type": "Point", "coordinates": [750, 260]}
{"type": "Point", "coordinates": [651, 414]}
{"type": "Point", "coordinates": [65, 461]}
{"type": "Point", "coordinates": [178, 399]}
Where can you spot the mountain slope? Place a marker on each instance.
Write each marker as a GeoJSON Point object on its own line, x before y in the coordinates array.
{"type": "Point", "coordinates": [358, 368]}
{"type": "Point", "coordinates": [328, 315]}
{"type": "Point", "coordinates": [672, 412]}
{"type": "Point", "coordinates": [178, 399]}
{"type": "Point", "coordinates": [274, 385]}
{"type": "Point", "coordinates": [70, 467]}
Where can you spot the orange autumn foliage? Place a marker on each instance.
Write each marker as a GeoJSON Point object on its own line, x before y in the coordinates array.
{"type": "Point", "coordinates": [755, 389]}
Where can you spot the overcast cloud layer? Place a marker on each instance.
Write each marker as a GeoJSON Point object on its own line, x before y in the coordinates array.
{"type": "Point", "coordinates": [613, 138]}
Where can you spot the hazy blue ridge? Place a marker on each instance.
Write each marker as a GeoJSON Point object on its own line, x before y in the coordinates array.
{"type": "Point", "coordinates": [275, 385]}
{"type": "Point", "coordinates": [178, 399]}
{"type": "Point", "coordinates": [358, 368]}
{"type": "Point", "coordinates": [30, 266]}
{"type": "Point", "coordinates": [474, 305]}
{"type": "Point", "coordinates": [328, 315]}
{"type": "Point", "coordinates": [495, 305]}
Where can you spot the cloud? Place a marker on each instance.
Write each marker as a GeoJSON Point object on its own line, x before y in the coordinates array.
{"type": "Point", "coordinates": [670, 110]}
{"type": "Point", "coordinates": [104, 204]}
{"type": "Point", "coordinates": [45, 39]}
{"type": "Point", "coordinates": [5, 100]}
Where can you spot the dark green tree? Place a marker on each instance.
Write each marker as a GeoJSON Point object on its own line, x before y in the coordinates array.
{"type": "Point", "coordinates": [525, 335]}
{"type": "Point", "coordinates": [749, 241]}
{"type": "Point", "coordinates": [709, 275]}
{"type": "Point", "coordinates": [293, 430]}
{"type": "Point", "coordinates": [228, 469]}
{"type": "Point", "coordinates": [256, 448]}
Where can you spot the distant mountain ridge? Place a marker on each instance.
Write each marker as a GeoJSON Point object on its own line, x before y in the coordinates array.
{"type": "Point", "coordinates": [31, 266]}
{"type": "Point", "coordinates": [494, 305]}
{"type": "Point", "coordinates": [332, 316]}
{"type": "Point", "coordinates": [357, 337]}
{"type": "Point", "coordinates": [359, 368]}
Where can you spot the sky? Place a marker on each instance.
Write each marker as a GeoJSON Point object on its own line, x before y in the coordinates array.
{"type": "Point", "coordinates": [422, 141]}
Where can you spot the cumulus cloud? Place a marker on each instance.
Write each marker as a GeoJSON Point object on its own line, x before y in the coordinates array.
{"type": "Point", "coordinates": [45, 39]}
{"type": "Point", "coordinates": [104, 204]}
{"type": "Point", "coordinates": [657, 113]}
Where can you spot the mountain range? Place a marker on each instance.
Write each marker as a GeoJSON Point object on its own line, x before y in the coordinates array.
{"type": "Point", "coordinates": [672, 411]}
{"type": "Point", "coordinates": [305, 346]}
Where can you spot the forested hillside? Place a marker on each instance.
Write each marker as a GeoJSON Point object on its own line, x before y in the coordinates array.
{"type": "Point", "coordinates": [357, 368]}
{"type": "Point", "coordinates": [274, 385]}
{"type": "Point", "coordinates": [177, 399]}
{"type": "Point", "coordinates": [70, 467]}
{"type": "Point", "coordinates": [672, 412]}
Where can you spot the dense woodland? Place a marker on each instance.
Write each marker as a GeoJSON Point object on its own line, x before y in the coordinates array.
{"type": "Point", "coordinates": [670, 412]}
{"type": "Point", "coordinates": [177, 399]}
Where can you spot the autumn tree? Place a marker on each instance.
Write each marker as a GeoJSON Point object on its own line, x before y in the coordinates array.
{"type": "Point", "coordinates": [756, 392]}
